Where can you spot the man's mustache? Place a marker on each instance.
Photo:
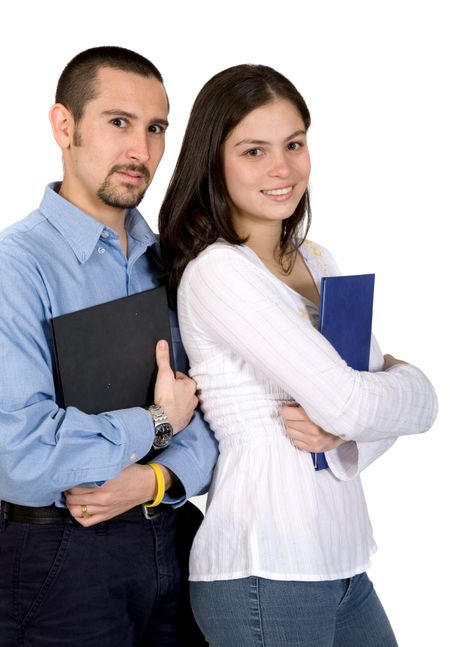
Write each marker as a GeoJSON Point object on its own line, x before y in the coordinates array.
{"type": "Point", "coordinates": [139, 168]}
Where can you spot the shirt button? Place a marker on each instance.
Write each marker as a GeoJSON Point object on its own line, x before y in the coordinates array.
{"type": "Point", "coordinates": [101, 250]}
{"type": "Point", "coordinates": [104, 234]}
{"type": "Point", "coordinates": [133, 456]}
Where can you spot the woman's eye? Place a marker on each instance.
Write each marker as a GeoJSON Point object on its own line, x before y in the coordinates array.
{"type": "Point", "coordinates": [294, 146]}
{"type": "Point", "coordinates": [253, 152]}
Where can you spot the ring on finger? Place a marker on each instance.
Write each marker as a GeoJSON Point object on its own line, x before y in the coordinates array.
{"type": "Point", "coordinates": [84, 511]}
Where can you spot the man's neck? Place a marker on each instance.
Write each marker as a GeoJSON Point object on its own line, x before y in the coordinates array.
{"type": "Point", "coordinates": [109, 216]}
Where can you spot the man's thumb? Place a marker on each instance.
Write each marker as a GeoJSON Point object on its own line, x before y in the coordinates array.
{"type": "Point", "coordinates": [162, 354]}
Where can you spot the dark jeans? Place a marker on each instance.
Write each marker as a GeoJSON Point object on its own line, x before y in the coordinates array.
{"type": "Point", "coordinates": [118, 584]}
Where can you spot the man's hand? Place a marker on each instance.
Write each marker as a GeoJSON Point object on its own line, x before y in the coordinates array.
{"type": "Point", "coordinates": [174, 393]}
{"type": "Point", "coordinates": [305, 434]}
{"type": "Point", "coordinates": [135, 485]}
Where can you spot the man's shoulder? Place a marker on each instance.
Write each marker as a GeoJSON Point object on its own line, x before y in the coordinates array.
{"type": "Point", "coordinates": [26, 245]}
{"type": "Point", "coordinates": [15, 234]}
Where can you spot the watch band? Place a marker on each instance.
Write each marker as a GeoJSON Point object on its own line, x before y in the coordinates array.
{"type": "Point", "coordinates": [158, 414]}
{"type": "Point", "coordinates": [163, 428]}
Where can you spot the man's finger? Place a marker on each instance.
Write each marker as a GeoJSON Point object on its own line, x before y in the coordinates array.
{"type": "Point", "coordinates": [80, 490]}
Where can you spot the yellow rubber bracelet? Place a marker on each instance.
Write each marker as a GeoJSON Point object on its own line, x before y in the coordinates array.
{"type": "Point", "coordinates": [160, 485]}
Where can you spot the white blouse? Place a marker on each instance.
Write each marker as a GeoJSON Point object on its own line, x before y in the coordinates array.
{"type": "Point", "coordinates": [253, 347]}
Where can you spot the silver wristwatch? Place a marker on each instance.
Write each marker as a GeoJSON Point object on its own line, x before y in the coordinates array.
{"type": "Point", "coordinates": [163, 428]}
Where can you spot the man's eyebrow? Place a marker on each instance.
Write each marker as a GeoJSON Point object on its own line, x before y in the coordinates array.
{"type": "Point", "coordinates": [123, 113]}
{"type": "Point", "coordinates": [261, 142]}
{"type": "Point", "coordinates": [119, 113]}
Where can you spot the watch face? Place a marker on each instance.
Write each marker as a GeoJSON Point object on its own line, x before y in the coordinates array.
{"type": "Point", "coordinates": [163, 434]}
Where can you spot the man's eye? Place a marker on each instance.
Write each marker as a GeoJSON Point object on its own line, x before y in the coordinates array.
{"type": "Point", "coordinates": [294, 146]}
{"type": "Point", "coordinates": [156, 129]}
{"type": "Point", "coordinates": [119, 122]}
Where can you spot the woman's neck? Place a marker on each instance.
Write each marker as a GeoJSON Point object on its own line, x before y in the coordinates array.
{"type": "Point", "coordinates": [290, 268]}
{"type": "Point", "coordinates": [264, 241]}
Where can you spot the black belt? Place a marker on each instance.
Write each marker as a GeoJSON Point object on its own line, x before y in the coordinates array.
{"type": "Point", "coordinates": [52, 514]}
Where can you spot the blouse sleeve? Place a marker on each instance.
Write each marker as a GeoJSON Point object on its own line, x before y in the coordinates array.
{"type": "Point", "coordinates": [225, 297]}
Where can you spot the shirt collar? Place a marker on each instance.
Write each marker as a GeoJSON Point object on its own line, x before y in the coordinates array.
{"type": "Point", "coordinates": [80, 230]}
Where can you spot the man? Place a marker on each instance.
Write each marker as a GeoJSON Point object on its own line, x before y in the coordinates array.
{"type": "Point", "coordinates": [80, 562]}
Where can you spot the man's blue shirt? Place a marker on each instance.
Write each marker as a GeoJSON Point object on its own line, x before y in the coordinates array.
{"type": "Point", "coordinates": [55, 261]}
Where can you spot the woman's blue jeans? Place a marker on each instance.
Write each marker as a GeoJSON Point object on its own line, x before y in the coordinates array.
{"type": "Point", "coordinates": [271, 613]}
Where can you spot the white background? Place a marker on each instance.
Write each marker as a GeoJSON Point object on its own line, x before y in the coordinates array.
{"type": "Point", "coordinates": [375, 76]}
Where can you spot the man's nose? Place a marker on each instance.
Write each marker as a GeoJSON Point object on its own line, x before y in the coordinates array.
{"type": "Point", "coordinates": [139, 148]}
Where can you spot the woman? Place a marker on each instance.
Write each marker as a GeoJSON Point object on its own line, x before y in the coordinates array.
{"type": "Point", "coordinates": [280, 558]}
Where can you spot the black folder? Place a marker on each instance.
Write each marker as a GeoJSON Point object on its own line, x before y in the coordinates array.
{"type": "Point", "coordinates": [346, 305]}
{"type": "Point", "coordinates": [105, 354]}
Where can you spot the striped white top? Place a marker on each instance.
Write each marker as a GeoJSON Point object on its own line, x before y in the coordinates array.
{"type": "Point", "coordinates": [253, 346]}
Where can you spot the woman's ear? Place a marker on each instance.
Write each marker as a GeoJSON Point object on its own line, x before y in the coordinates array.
{"type": "Point", "coordinates": [62, 124]}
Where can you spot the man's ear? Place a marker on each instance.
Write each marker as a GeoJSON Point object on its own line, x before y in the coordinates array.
{"type": "Point", "coordinates": [62, 124]}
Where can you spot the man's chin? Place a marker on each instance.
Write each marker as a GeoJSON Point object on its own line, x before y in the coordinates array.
{"type": "Point", "coordinates": [120, 200]}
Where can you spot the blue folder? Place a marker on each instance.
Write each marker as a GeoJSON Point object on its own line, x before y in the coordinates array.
{"type": "Point", "coordinates": [346, 305]}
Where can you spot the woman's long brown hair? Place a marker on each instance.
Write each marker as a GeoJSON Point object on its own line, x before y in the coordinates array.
{"type": "Point", "coordinates": [195, 211]}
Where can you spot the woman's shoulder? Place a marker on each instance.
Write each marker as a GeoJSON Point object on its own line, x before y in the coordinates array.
{"type": "Point", "coordinates": [222, 252]}
{"type": "Point", "coordinates": [220, 264]}
{"type": "Point", "coordinates": [321, 257]}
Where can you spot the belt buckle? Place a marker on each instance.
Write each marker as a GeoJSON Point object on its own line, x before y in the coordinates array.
{"type": "Point", "coordinates": [150, 513]}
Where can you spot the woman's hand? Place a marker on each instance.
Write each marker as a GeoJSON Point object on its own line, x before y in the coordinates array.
{"type": "Point", "coordinates": [390, 360]}
{"type": "Point", "coordinates": [305, 434]}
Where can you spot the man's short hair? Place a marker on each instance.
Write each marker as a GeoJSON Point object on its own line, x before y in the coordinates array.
{"type": "Point", "coordinates": [76, 85]}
